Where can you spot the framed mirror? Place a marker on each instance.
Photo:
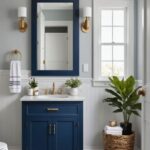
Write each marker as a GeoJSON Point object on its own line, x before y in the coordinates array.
{"type": "Point", "coordinates": [55, 38]}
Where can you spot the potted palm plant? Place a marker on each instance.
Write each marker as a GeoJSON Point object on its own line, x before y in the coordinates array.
{"type": "Point", "coordinates": [124, 96]}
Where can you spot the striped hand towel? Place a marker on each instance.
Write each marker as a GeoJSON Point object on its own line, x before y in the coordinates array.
{"type": "Point", "coordinates": [15, 76]}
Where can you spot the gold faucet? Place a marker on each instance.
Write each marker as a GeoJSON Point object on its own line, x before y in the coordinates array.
{"type": "Point", "coordinates": [53, 88]}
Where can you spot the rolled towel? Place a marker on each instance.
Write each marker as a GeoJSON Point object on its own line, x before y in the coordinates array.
{"type": "Point", "coordinates": [117, 128]}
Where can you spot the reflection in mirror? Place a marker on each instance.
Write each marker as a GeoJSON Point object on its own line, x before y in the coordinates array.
{"type": "Point", "coordinates": [55, 36]}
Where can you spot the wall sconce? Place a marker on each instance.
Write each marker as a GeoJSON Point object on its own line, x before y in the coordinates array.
{"type": "Point", "coordinates": [22, 14]}
{"type": "Point", "coordinates": [87, 13]}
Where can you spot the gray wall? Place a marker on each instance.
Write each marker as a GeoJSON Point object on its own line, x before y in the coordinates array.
{"type": "Point", "coordinates": [11, 38]}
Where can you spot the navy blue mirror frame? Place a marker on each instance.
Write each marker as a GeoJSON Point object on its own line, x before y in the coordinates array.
{"type": "Point", "coordinates": [34, 70]}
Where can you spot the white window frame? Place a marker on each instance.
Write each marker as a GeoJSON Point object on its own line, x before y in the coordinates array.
{"type": "Point", "coordinates": [98, 5]}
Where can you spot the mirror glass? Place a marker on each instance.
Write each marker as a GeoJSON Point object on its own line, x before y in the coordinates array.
{"type": "Point", "coordinates": [54, 36]}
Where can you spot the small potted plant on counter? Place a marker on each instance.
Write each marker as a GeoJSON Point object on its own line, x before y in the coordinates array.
{"type": "Point", "coordinates": [125, 96]}
{"type": "Point", "coordinates": [33, 87]}
{"type": "Point", "coordinates": [73, 84]}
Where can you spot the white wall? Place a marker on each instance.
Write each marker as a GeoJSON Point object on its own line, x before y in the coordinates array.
{"type": "Point", "coordinates": [146, 105]}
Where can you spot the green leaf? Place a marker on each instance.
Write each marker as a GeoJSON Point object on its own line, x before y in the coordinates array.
{"type": "Point", "coordinates": [110, 99]}
{"type": "Point", "coordinates": [113, 93]}
{"type": "Point", "coordinates": [117, 111]}
{"type": "Point", "coordinates": [113, 102]}
{"type": "Point", "coordinates": [129, 85]}
{"type": "Point", "coordinates": [136, 113]}
{"type": "Point", "coordinates": [137, 106]}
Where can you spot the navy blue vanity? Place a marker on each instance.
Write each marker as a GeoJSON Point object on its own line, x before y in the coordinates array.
{"type": "Point", "coordinates": [52, 125]}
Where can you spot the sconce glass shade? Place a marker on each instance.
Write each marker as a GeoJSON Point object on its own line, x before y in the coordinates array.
{"type": "Point", "coordinates": [22, 12]}
{"type": "Point", "coordinates": [87, 12]}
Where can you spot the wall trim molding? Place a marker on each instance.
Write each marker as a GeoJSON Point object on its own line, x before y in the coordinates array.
{"type": "Point", "coordinates": [26, 74]}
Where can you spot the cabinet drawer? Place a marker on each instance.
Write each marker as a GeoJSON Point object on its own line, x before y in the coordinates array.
{"type": "Point", "coordinates": [51, 108]}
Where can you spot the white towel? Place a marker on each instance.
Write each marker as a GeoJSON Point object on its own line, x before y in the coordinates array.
{"type": "Point", "coordinates": [116, 128]}
{"type": "Point", "coordinates": [113, 132]}
{"type": "Point", "coordinates": [15, 76]}
{"type": "Point", "coordinates": [3, 146]}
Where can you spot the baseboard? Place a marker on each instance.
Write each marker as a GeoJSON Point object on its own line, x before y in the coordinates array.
{"type": "Point", "coordinates": [93, 148]}
{"type": "Point", "coordinates": [85, 148]}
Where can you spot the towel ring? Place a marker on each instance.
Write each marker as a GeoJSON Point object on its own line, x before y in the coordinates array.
{"type": "Point", "coordinates": [15, 55]}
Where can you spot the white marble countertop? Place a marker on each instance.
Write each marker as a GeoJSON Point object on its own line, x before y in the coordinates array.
{"type": "Point", "coordinates": [52, 98]}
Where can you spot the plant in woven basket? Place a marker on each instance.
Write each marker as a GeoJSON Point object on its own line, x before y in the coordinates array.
{"type": "Point", "coordinates": [124, 96]}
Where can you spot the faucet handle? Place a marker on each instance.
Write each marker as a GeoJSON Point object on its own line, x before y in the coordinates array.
{"type": "Point", "coordinates": [46, 92]}
{"type": "Point", "coordinates": [52, 91]}
{"type": "Point", "coordinates": [59, 91]}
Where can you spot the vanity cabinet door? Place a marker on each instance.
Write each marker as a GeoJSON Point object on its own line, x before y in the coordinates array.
{"type": "Point", "coordinates": [66, 133]}
{"type": "Point", "coordinates": [38, 135]}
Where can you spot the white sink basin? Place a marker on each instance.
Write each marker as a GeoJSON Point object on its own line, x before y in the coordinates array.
{"type": "Point", "coordinates": [52, 96]}
{"type": "Point", "coordinates": [58, 97]}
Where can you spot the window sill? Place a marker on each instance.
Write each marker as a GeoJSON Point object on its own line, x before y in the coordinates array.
{"type": "Point", "coordinates": [100, 83]}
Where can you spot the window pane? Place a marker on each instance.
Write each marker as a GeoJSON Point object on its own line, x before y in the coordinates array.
{"type": "Point", "coordinates": [118, 34]}
{"type": "Point", "coordinates": [118, 68]}
{"type": "Point", "coordinates": [118, 52]}
{"type": "Point", "coordinates": [106, 52]}
{"type": "Point", "coordinates": [106, 18]}
{"type": "Point", "coordinates": [106, 35]}
{"type": "Point", "coordinates": [106, 68]}
{"type": "Point", "coordinates": [118, 17]}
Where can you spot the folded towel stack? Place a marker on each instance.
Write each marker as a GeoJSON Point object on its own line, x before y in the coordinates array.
{"type": "Point", "coordinates": [117, 130]}
{"type": "Point", "coordinates": [3, 146]}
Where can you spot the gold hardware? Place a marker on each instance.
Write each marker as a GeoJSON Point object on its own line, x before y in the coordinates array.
{"type": "Point", "coordinates": [46, 92]}
{"type": "Point", "coordinates": [53, 88]}
{"type": "Point", "coordinates": [52, 109]}
{"type": "Point", "coordinates": [44, 62]}
{"type": "Point", "coordinates": [15, 55]}
{"type": "Point", "coordinates": [54, 129]}
{"type": "Point", "coordinates": [22, 24]}
{"type": "Point", "coordinates": [85, 26]}
{"type": "Point", "coordinates": [50, 129]}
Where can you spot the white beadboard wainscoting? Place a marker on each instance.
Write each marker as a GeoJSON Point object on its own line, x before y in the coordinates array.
{"type": "Point", "coordinates": [146, 119]}
{"type": "Point", "coordinates": [96, 113]}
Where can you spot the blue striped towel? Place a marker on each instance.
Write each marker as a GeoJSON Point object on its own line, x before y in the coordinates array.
{"type": "Point", "coordinates": [15, 76]}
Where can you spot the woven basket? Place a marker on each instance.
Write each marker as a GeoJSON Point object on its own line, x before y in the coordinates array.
{"type": "Point", "coordinates": [118, 142]}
